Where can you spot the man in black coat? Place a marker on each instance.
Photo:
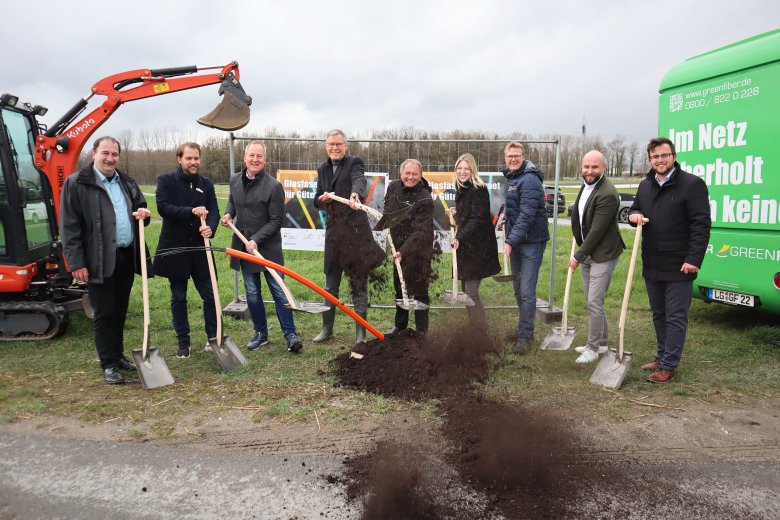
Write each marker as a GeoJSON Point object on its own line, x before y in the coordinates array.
{"type": "Point", "coordinates": [349, 243]}
{"type": "Point", "coordinates": [413, 239]}
{"type": "Point", "coordinates": [256, 202]}
{"type": "Point", "coordinates": [99, 212]}
{"type": "Point", "coordinates": [183, 197]}
{"type": "Point", "coordinates": [673, 207]}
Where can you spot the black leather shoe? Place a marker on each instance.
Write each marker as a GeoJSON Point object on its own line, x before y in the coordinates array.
{"type": "Point", "coordinates": [294, 343]}
{"type": "Point", "coordinates": [125, 364]}
{"type": "Point", "coordinates": [258, 341]}
{"type": "Point", "coordinates": [112, 376]}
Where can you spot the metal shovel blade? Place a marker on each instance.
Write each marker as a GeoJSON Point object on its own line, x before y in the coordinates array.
{"type": "Point", "coordinates": [610, 371]}
{"type": "Point", "coordinates": [231, 114]}
{"type": "Point", "coordinates": [309, 307]}
{"type": "Point", "coordinates": [502, 277]}
{"type": "Point", "coordinates": [390, 219]}
{"type": "Point", "coordinates": [559, 339]}
{"type": "Point", "coordinates": [412, 305]}
{"type": "Point", "coordinates": [458, 298]}
{"type": "Point", "coordinates": [153, 370]}
{"type": "Point", "coordinates": [228, 354]}
{"type": "Point", "coordinates": [88, 310]}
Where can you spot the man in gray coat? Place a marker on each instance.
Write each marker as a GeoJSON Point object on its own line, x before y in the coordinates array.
{"type": "Point", "coordinates": [595, 228]}
{"type": "Point", "coordinates": [256, 202]}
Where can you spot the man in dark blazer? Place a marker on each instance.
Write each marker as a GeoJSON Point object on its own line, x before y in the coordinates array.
{"type": "Point", "coordinates": [349, 243]}
{"type": "Point", "coordinates": [256, 202]}
{"type": "Point", "coordinates": [183, 197]}
{"type": "Point", "coordinates": [595, 228]}
{"type": "Point", "coordinates": [674, 209]}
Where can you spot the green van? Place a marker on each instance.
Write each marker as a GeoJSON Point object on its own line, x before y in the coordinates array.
{"type": "Point", "coordinates": [722, 111]}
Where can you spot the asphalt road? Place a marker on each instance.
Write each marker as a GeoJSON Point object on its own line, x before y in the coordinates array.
{"type": "Point", "coordinates": [44, 477]}
{"type": "Point", "coordinates": [65, 478]}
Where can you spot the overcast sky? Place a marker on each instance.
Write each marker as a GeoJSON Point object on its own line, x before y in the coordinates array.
{"type": "Point", "coordinates": [494, 66]}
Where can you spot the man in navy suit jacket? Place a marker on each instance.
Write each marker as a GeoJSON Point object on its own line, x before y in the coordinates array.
{"type": "Point", "coordinates": [183, 196]}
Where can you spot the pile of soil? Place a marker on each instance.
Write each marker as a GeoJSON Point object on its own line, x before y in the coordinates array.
{"type": "Point", "coordinates": [414, 367]}
{"type": "Point", "coordinates": [515, 458]}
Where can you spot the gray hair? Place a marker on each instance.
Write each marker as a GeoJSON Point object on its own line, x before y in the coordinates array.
{"type": "Point", "coordinates": [418, 163]}
{"type": "Point", "coordinates": [336, 131]}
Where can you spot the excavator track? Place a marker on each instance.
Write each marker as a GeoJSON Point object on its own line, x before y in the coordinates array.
{"type": "Point", "coordinates": [31, 321]}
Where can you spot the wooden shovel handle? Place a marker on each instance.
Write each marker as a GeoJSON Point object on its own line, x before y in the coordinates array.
{"type": "Point", "coordinates": [398, 268]}
{"type": "Point", "coordinates": [279, 280]}
{"type": "Point", "coordinates": [506, 255]}
{"type": "Point", "coordinates": [144, 286]}
{"type": "Point", "coordinates": [627, 292]}
{"type": "Point", "coordinates": [567, 291]}
{"type": "Point", "coordinates": [213, 274]}
{"type": "Point", "coordinates": [371, 211]}
{"type": "Point", "coordinates": [453, 225]}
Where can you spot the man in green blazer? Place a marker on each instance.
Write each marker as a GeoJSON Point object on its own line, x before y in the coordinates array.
{"type": "Point", "coordinates": [595, 228]}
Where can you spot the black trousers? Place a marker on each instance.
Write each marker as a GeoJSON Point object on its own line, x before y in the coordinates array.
{"type": "Point", "coordinates": [109, 301]}
{"type": "Point", "coordinates": [402, 315]}
{"type": "Point", "coordinates": [669, 302]}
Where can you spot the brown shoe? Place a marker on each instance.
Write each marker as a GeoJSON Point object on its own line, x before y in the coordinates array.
{"type": "Point", "coordinates": [653, 366]}
{"type": "Point", "coordinates": [661, 376]}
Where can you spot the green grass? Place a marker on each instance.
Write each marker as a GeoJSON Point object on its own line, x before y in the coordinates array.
{"type": "Point", "coordinates": [730, 353]}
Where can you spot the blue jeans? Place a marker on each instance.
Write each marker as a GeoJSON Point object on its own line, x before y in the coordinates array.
{"type": "Point", "coordinates": [254, 301]}
{"type": "Point", "coordinates": [669, 302]}
{"type": "Point", "coordinates": [526, 259]}
{"type": "Point", "coordinates": [179, 307]}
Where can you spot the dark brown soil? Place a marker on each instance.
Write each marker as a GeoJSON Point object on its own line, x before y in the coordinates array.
{"type": "Point", "coordinates": [514, 457]}
{"type": "Point", "coordinates": [496, 460]}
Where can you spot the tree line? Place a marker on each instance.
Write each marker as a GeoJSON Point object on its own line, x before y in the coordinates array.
{"type": "Point", "coordinates": [149, 153]}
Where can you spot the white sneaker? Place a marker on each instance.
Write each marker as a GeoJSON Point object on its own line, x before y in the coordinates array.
{"type": "Point", "coordinates": [208, 345]}
{"type": "Point", "coordinates": [587, 356]}
{"type": "Point", "coordinates": [580, 350]}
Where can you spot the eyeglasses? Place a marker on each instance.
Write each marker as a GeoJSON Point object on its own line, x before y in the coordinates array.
{"type": "Point", "coordinates": [334, 145]}
{"type": "Point", "coordinates": [661, 156]}
{"type": "Point", "coordinates": [513, 157]}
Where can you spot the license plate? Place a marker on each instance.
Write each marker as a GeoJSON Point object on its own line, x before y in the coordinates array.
{"type": "Point", "coordinates": [731, 298]}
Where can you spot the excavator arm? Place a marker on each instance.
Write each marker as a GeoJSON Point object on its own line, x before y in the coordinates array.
{"type": "Point", "coordinates": [57, 150]}
{"type": "Point", "coordinates": [36, 291]}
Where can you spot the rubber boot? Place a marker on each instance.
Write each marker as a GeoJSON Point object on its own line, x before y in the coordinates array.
{"type": "Point", "coordinates": [360, 331]}
{"type": "Point", "coordinates": [327, 326]}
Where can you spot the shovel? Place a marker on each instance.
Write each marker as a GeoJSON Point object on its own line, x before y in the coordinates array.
{"type": "Point", "coordinates": [613, 367]}
{"type": "Point", "coordinates": [561, 338]}
{"type": "Point", "coordinates": [292, 303]}
{"type": "Point", "coordinates": [404, 302]}
{"type": "Point", "coordinates": [227, 352]}
{"type": "Point", "coordinates": [151, 366]}
{"type": "Point", "coordinates": [507, 276]}
{"type": "Point", "coordinates": [385, 221]}
{"type": "Point", "coordinates": [501, 227]}
{"type": "Point", "coordinates": [454, 297]}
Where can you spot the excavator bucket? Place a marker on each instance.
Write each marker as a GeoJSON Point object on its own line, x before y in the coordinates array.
{"type": "Point", "coordinates": [232, 113]}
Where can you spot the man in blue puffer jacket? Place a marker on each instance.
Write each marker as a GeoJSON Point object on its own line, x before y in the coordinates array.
{"type": "Point", "coordinates": [526, 236]}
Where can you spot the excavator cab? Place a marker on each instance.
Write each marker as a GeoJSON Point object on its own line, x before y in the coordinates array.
{"type": "Point", "coordinates": [27, 230]}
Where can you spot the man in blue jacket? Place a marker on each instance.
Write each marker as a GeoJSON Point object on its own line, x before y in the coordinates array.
{"type": "Point", "coordinates": [674, 209]}
{"type": "Point", "coordinates": [183, 197]}
{"type": "Point", "coordinates": [526, 236]}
